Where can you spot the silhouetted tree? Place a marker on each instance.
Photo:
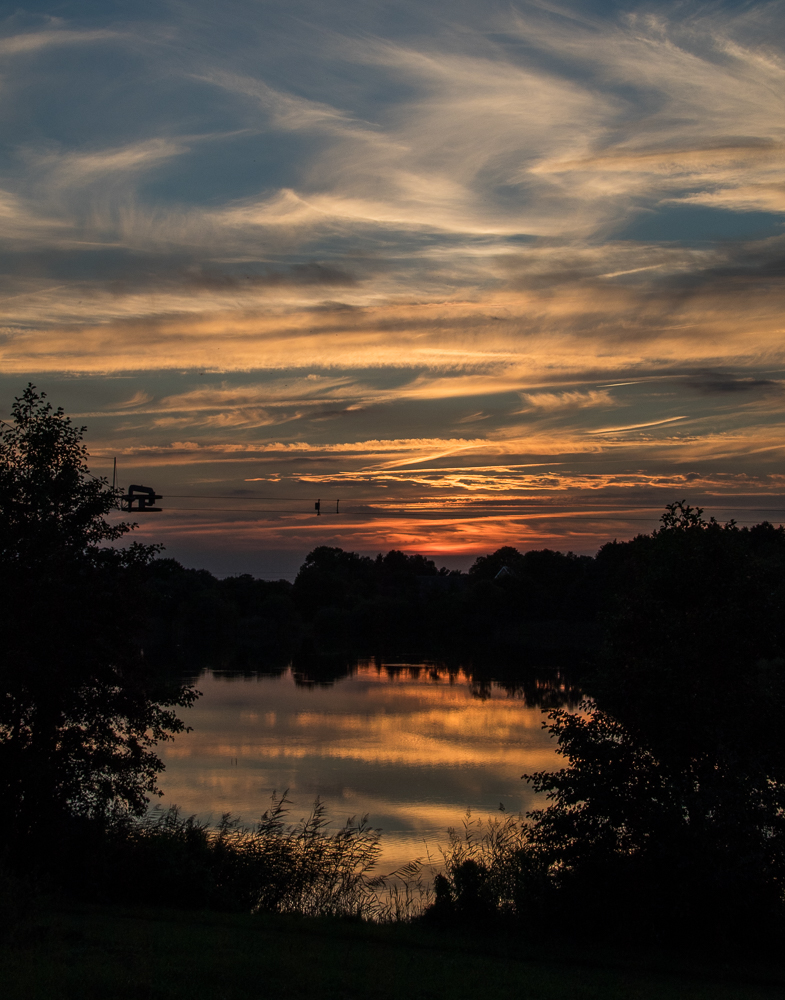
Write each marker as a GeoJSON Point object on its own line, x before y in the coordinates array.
{"type": "Point", "coordinates": [80, 712]}
{"type": "Point", "coordinates": [487, 567]}
{"type": "Point", "coordinates": [695, 636]}
{"type": "Point", "coordinates": [636, 846]}
{"type": "Point", "coordinates": [332, 578]}
{"type": "Point", "coordinates": [670, 816]}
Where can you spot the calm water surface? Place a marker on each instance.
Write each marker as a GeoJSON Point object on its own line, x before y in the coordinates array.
{"type": "Point", "coordinates": [414, 748]}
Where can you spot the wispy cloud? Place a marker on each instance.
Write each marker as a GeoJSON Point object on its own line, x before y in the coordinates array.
{"type": "Point", "coordinates": [33, 41]}
{"type": "Point", "coordinates": [458, 252]}
{"type": "Point", "coordinates": [71, 169]}
{"type": "Point", "coordinates": [569, 400]}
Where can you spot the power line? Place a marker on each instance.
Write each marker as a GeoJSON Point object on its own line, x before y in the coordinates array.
{"type": "Point", "coordinates": [447, 502]}
{"type": "Point", "coordinates": [472, 512]}
{"type": "Point", "coordinates": [475, 507]}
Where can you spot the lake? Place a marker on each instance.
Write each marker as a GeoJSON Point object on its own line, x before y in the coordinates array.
{"type": "Point", "coordinates": [411, 745]}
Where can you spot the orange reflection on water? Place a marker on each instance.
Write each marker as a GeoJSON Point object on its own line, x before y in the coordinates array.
{"type": "Point", "coordinates": [413, 749]}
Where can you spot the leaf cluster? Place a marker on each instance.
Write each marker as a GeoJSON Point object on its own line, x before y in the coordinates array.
{"type": "Point", "coordinates": [81, 712]}
{"type": "Point", "coordinates": [49, 502]}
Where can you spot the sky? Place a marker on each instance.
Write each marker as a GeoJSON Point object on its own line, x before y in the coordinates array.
{"type": "Point", "coordinates": [487, 273]}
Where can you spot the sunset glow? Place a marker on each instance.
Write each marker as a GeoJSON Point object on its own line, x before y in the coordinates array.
{"type": "Point", "coordinates": [485, 274]}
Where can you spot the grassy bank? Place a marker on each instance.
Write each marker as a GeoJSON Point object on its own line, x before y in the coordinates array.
{"type": "Point", "coordinates": [102, 952]}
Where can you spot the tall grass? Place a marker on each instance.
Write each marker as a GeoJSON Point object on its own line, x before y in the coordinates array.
{"type": "Point", "coordinates": [273, 867]}
{"type": "Point", "coordinates": [485, 868]}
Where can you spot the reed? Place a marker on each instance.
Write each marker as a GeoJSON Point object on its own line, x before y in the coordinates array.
{"type": "Point", "coordinates": [276, 866]}
{"type": "Point", "coordinates": [485, 866]}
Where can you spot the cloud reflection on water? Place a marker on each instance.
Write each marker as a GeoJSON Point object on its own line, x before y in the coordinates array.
{"type": "Point", "coordinates": [413, 750]}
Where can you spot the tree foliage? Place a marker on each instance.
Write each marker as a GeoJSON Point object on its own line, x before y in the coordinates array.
{"type": "Point", "coordinates": [81, 712]}
{"type": "Point", "coordinates": [667, 821]}
{"type": "Point", "coordinates": [695, 636]}
{"type": "Point", "coordinates": [671, 811]}
{"type": "Point", "coordinates": [636, 844]}
{"type": "Point", "coordinates": [50, 505]}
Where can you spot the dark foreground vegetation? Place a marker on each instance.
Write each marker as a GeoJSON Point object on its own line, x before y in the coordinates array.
{"type": "Point", "coordinates": [665, 828]}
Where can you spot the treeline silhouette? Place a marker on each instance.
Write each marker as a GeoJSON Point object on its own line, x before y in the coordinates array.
{"type": "Point", "coordinates": [511, 613]}
{"type": "Point", "coordinates": [665, 824]}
